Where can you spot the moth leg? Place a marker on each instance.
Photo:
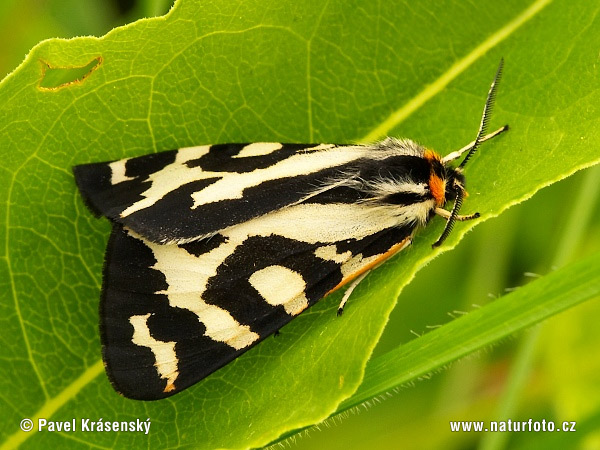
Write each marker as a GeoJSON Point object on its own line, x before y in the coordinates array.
{"type": "Point", "coordinates": [362, 273]}
{"type": "Point", "coordinates": [349, 292]}
{"type": "Point", "coordinates": [446, 215]}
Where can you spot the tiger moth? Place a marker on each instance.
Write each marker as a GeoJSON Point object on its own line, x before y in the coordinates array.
{"type": "Point", "coordinates": [215, 247]}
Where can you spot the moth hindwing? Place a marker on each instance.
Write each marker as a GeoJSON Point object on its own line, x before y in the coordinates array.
{"type": "Point", "coordinates": [214, 248]}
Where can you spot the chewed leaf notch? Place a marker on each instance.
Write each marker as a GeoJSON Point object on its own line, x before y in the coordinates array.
{"type": "Point", "coordinates": [54, 78]}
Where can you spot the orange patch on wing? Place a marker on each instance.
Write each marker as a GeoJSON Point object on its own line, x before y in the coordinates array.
{"type": "Point", "coordinates": [393, 250]}
{"type": "Point", "coordinates": [169, 387]}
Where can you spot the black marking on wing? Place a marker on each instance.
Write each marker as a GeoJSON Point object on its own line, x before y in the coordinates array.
{"type": "Point", "coordinates": [203, 246]}
{"type": "Point", "coordinates": [221, 158]}
{"type": "Point", "coordinates": [340, 194]}
{"type": "Point", "coordinates": [405, 198]}
{"type": "Point", "coordinates": [104, 198]}
{"type": "Point", "coordinates": [414, 168]}
{"type": "Point", "coordinates": [143, 166]}
{"type": "Point", "coordinates": [376, 244]}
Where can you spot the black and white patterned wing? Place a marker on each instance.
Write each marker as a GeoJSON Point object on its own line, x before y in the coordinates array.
{"type": "Point", "coordinates": [172, 314]}
{"type": "Point", "coordinates": [186, 194]}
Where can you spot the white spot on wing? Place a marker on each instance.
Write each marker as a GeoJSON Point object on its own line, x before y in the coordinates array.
{"type": "Point", "coordinates": [164, 352]}
{"type": "Point", "coordinates": [258, 149]}
{"type": "Point", "coordinates": [171, 177]}
{"type": "Point", "coordinates": [279, 285]}
{"type": "Point", "coordinates": [336, 222]}
{"type": "Point", "coordinates": [329, 253]}
{"type": "Point", "coordinates": [117, 174]}
{"type": "Point", "coordinates": [186, 154]}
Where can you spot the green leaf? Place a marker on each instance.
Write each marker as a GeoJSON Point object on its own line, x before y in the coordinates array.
{"type": "Point", "coordinates": [252, 70]}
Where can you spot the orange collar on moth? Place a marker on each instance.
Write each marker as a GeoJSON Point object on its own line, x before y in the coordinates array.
{"type": "Point", "coordinates": [431, 156]}
{"type": "Point", "coordinates": [437, 185]}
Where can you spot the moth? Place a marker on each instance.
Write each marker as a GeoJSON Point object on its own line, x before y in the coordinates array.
{"type": "Point", "coordinates": [213, 248]}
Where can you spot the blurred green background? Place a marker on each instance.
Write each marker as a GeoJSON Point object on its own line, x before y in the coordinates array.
{"type": "Point", "coordinates": [551, 372]}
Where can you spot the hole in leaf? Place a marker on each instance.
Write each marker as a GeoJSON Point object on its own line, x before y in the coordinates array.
{"type": "Point", "coordinates": [58, 77]}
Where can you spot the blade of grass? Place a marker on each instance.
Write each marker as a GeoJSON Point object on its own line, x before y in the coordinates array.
{"type": "Point", "coordinates": [527, 306]}
{"type": "Point", "coordinates": [579, 220]}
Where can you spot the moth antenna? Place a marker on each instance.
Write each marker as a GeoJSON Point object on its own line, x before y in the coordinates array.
{"type": "Point", "coordinates": [487, 110]}
{"type": "Point", "coordinates": [452, 218]}
{"type": "Point", "coordinates": [481, 136]}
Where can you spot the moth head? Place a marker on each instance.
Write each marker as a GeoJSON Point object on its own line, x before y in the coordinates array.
{"type": "Point", "coordinates": [455, 183]}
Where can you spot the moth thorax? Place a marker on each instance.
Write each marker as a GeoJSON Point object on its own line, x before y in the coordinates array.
{"type": "Point", "coordinates": [437, 177]}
